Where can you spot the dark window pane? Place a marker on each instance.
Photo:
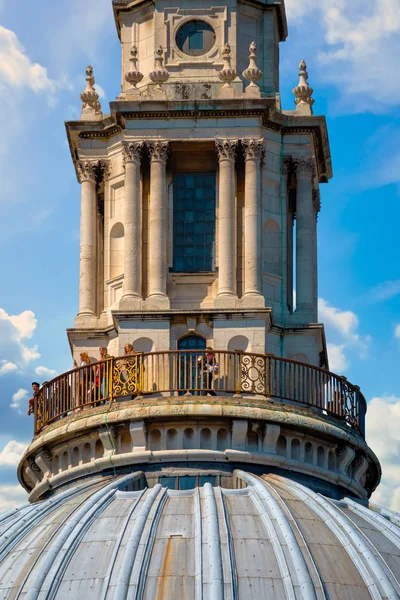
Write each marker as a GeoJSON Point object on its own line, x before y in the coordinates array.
{"type": "Point", "coordinates": [187, 483]}
{"type": "Point", "coordinates": [206, 479]}
{"type": "Point", "coordinates": [169, 482]}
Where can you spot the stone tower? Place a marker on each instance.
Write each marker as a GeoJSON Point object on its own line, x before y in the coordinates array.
{"type": "Point", "coordinates": [199, 194]}
{"type": "Point", "coordinates": [210, 453]}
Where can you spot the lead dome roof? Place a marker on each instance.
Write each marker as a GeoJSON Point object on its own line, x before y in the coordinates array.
{"type": "Point", "coordinates": [272, 539]}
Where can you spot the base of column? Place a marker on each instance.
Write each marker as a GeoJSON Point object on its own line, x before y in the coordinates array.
{"type": "Point", "coordinates": [226, 301]}
{"type": "Point", "coordinates": [157, 301]}
{"type": "Point", "coordinates": [85, 320]}
{"type": "Point", "coordinates": [252, 300]}
{"type": "Point", "coordinates": [131, 303]}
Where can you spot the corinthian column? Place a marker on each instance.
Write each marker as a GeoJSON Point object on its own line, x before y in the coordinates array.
{"type": "Point", "coordinates": [253, 152]}
{"type": "Point", "coordinates": [305, 230]}
{"type": "Point", "coordinates": [132, 290]}
{"type": "Point", "coordinates": [226, 150]}
{"type": "Point", "coordinates": [158, 223]}
{"type": "Point", "coordinates": [89, 173]}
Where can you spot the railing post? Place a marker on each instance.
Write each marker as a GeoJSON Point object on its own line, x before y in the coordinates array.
{"type": "Point", "coordinates": [35, 412]}
{"type": "Point", "coordinates": [238, 378]}
{"type": "Point", "coordinates": [111, 382]}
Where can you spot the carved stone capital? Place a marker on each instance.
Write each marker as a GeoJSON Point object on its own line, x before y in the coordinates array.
{"type": "Point", "coordinates": [93, 170]}
{"type": "Point", "coordinates": [253, 149]}
{"type": "Point", "coordinates": [226, 149]}
{"type": "Point", "coordinates": [305, 165]}
{"type": "Point", "coordinates": [316, 198]}
{"type": "Point", "coordinates": [132, 151]}
{"type": "Point", "coordinates": [158, 150]}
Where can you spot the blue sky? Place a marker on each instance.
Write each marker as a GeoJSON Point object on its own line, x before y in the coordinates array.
{"type": "Point", "coordinates": [352, 55]}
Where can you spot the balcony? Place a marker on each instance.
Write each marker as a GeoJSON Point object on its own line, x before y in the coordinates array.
{"type": "Point", "coordinates": [196, 373]}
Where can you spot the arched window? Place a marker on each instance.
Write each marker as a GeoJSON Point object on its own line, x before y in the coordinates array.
{"type": "Point", "coordinates": [117, 250]}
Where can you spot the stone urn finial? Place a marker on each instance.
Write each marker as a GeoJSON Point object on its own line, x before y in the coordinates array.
{"type": "Point", "coordinates": [303, 92]}
{"type": "Point", "coordinates": [227, 73]}
{"type": "Point", "coordinates": [91, 107]}
{"type": "Point", "coordinates": [133, 76]}
{"type": "Point", "coordinates": [160, 74]}
{"type": "Point", "coordinates": [252, 73]}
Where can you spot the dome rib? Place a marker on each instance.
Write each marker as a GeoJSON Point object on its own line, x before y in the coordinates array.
{"type": "Point", "coordinates": [69, 535]}
{"type": "Point", "coordinates": [284, 536]}
{"type": "Point", "coordinates": [391, 531]}
{"type": "Point", "coordinates": [368, 566]}
{"type": "Point", "coordinates": [214, 544]}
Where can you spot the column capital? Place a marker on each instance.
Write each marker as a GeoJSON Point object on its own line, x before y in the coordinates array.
{"type": "Point", "coordinates": [226, 149]}
{"type": "Point", "coordinates": [316, 198]}
{"type": "Point", "coordinates": [93, 170]}
{"type": "Point", "coordinates": [132, 151]}
{"type": "Point", "coordinates": [158, 150]}
{"type": "Point", "coordinates": [253, 149]}
{"type": "Point", "coordinates": [305, 165]}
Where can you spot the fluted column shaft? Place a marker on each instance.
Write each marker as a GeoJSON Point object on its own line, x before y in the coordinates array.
{"type": "Point", "coordinates": [305, 231]}
{"type": "Point", "coordinates": [253, 150]}
{"type": "Point", "coordinates": [132, 208]}
{"type": "Point", "coordinates": [158, 218]}
{"type": "Point", "coordinates": [88, 241]}
{"type": "Point", "coordinates": [226, 150]}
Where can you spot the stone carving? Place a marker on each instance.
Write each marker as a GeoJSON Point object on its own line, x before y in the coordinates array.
{"type": "Point", "coordinates": [227, 73]}
{"type": "Point", "coordinates": [160, 74]}
{"type": "Point", "coordinates": [303, 92]}
{"type": "Point", "coordinates": [93, 170]}
{"type": "Point", "coordinates": [305, 165]}
{"type": "Point", "coordinates": [91, 108]}
{"type": "Point", "coordinates": [158, 149]}
{"type": "Point", "coordinates": [316, 197]}
{"type": "Point", "coordinates": [253, 149]}
{"type": "Point", "coordinates": [133, 76]}
{"type": "Point", "coordinates": [132, 151]}
{"type": "Point", "coordinates": [226, 149]}
{"type": "Point", "coordinates": [252, 73]}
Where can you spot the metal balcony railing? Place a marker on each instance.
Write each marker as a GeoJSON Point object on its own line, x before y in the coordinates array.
{"type": "Point", "coordinates": [199, 373]}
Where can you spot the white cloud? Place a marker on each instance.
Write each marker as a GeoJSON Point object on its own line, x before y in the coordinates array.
{"type": "Point", "coordinates": [7, 367]}
{"type": "Point", "coordinates": [342, 325]}
{"type": "Point", "coordinates": [12, 496]}
{"type": "Point", "coordinates": [20, 396]}
{"type": "Point", "coordinates": [385, 291]}
{"type": "Point", "coordinates": [16, 68]}
{"type": "Point", "coordinates": [13, 330]}
{"type": "Point", "coordinates": [45, 372]}
{"type": "Point", "coordinates": [362, 43]}
{"type": "Point", "coordinates": [338, 362]}
{"type": "Point", "coordinates": [11, 453]}
{"type": "Point", "coordinates": [397, 331]}
{"type": "Point", "coordinates": [382, 433]}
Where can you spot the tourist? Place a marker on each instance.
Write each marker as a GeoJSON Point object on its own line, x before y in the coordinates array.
{"type": "Point", "coordinates": [209, 368]}
{"type": "Point", "coordinates": [82, 380]}
{"type": "Point", "coordinates": [102, 372]}
{"type": "Point", "coordinates": [31, 401]}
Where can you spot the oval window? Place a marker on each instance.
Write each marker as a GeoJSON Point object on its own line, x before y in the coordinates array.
{"type": "Point", "coordinates": [195, 38]}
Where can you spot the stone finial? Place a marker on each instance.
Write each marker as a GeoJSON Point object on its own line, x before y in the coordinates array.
{"type": "Point", "coordinates": [227, 73]}
{"type": "Point", "coordinates": [133, 76]}
{"type": "Point", "coordinates": [303, 92]}
{"type": "Point", "coordinates": [91, 107]}
{"type": "Point", "coordinates": [160, 74]}
{"type": "Point", "coordinates": [252, 73]}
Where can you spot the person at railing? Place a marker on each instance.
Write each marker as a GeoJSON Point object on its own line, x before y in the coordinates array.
{"type": "Point", "coordinates": [82, 383]}
{"type": "Point", "coordinates": [31, 401]}
{"type": "Point", "coordinates": [208, 368]}
{"type": "Point", "coordinates": [102, 373]}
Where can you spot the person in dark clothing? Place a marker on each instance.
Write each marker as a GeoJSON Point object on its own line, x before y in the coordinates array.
{"type": "Point", "coordinates": [209, 368]}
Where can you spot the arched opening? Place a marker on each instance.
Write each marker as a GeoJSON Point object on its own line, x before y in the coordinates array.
{"type": "Point", "coordinates": [271, 255]}
{"type": "Point", "coordinates": [189, 441]}
{"type": "Point", "coordinates": [252, 441]}
{"type": "Point", "coordinates": [155, 439]}
{"type": "Point", "coordinates": [205, 439]}
{"type": "Point", "coordinates": [223, 441]}
{"type": "Point", "coordinates": [189, 362]}
{"type": "Point", "coordinates": [238, 342]}
{"type": "Point", "coordinates": [98, 449]}
{"type": "Point", "coordinates": [308, 452]}
{"type": "Point", "coordinates": [321, 456]}
{"type": "Point", "coordinates": [64, 461]}
{"type": "Point", "coordinates": [172, 439]}
{"type": "Point", "coordinates": [126, 442]}
{"type": "Point", "coordinates": [56, 465]}
{"type": "Point", "coordinates": [86, 453]}
{"type": "Point", "coordinates": [75, 457]}
{"type": "Point", "coordinates": [281, 446]}
{"type": "Point", "coordinates": [117, 250]}
{"type": "Point", "coordinates": [331, 461]}
{"type": "Point", "coordinates": [295, 450]}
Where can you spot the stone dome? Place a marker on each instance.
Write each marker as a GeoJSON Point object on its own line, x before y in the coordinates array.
{"type": "Point", "coordinates": [266, 537]}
